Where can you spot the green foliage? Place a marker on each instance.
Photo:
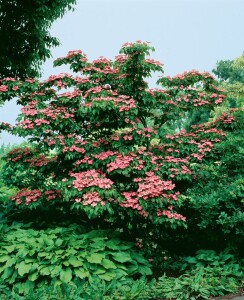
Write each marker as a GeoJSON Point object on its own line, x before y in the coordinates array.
{"type": "Point", "coordinates": [214, 205]}
{"type": "Point", "coordinates": [205, 274]}
{"type": "Point", "coordinates": [29, 257]}
{"type": "Point", "coordinates": [229, 70]}
{"type": "Point", "coordinates": [209, 258]}
{"type": "Point", "coordinates": [200, 283]}
{"type": "Point", "coordinates": [27, 24]}
{"type": "Point", "coordinates": [231, 76]}
{"type": "Point", "coordinates": [5, 191]}
{"type": "Point", "coordinates": [94, 288]}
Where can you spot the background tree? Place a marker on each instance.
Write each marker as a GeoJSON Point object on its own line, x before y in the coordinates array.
{"type": "Point", "coordinates": [231, 77]}
{"type": "Point", "coordinates": [216, 200]}
{"type": "Point", "coordinates": [230, 74]}
{"type": "Point", "coordinates": [25, 40]}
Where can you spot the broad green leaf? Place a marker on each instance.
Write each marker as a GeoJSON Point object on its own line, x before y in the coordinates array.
{"type": "Point", "coordinates": [26, 287]}
{"type": "Point", "coordinates": [113, 244]}
{"type": "Point", "coordinates": [14, 276]}
{"type": "Point", "coordinates": [99, 271]}
{"type": "Point", "coordinates": [121, 257]}
{"type": "Point", "coordinates": [132, 268]}
{"type": "Point", "coordinates": [81, 273]}
{"type": "Point", "coordinates": [45, 270]}
{"type": "Point", "coordinates": [66, 263]}
{"type": "Point", "coordinates": [107, 276]}
{"type": "Point", "coordinates": [58, 242]}
{"type": "Point", "coordinates": [29, 260]}
{"type": "Point", "coordinates": [23, 268]}
{"type": "Point", "coordinates": [4, 258]}
{"type": "Point", "coordinates": [55, 270]}
{"type": "Point", "coordinates": [75, 262]}
{"type": "Point", "coordinates": [95, 258]}
{"type": "Point", "coordinates": [144, 270]}
{"type": "Point", "coordinates": [57, 282]}
{"type": "Point", "coordinates": [43, 254]}
{"type": "Point", "coordinates": [34, 276]}
{"type": "Point", "coordinates": [108, 264]}
{"type": "Point", "coordinates": [139, 258]}
{"type": "Point", "coordinates": [98, 245]}
{"type": "Point", "coordinates": [8, 272]}
{"type": "Point", "coordinates": [10, 248]}
{"type": "Point", "coordinates": [65, 275]}
{"type": "Point", "coordinates": [10, 262]}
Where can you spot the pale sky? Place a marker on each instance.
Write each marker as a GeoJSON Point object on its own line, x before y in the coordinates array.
{"type": "Point", "coordinates": [187, 34]}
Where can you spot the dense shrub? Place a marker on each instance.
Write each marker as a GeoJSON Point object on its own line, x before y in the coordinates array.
{"type": "Point", "coordinates": [98, 141]}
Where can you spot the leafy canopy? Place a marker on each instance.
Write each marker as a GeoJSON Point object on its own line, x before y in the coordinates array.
{"type": "Point", "coordinates": [25, 40]}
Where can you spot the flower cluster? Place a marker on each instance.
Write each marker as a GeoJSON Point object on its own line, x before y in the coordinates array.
{"type": "Point", "coordinates": [90, 178]}
{"type": "Point", "coordinates": [52, 194]}
{"type": "Point", "coordinates": [3, 88]}
{"type": "Point", "coordinates": [131, 201]}
{"type": "Point", "coordinates": [104, 155]}
{"type": "Point", "coordinates": [90, 198]}
{"type": "Point", "coordinates": [153, 186]}
{"type": "Point", "coordinates": [120, 162]}
{"type": "Point", "coordinates": [27, 195]}
{"type": "Point", "coordinates": [170, 215]}
{"type": "Point", "coordinates": [39, 161]}
{"type": "Point", "coordinates": [18, 154]}
{"type": "Point", "coordinates": [153, 62]}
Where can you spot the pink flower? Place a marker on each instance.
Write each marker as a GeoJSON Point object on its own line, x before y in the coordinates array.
{"type": "Point", "coordinates": [92, 198]}
{"type": "Point", "coordinates": [3, 88]}
{"type": "Point", "coordinates": [90, 178]}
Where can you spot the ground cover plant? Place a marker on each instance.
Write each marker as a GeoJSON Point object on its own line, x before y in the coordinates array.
{"type": "Point", "coordinates": [104, 153]}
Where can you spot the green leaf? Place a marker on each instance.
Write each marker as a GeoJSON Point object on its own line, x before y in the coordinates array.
{"type": "Point", "coordinates": [132, 268]}
{"type": "Point", "coordinates": [121, 257]}
{"type": "Point", "coordinates": [23, 268]}
{"type": "Point", "coordinates": [14, 276]}
{"type": "Point", "coordinates": [99, 271]}
{"type": "Point", "coordinates": [34, 276]}
{"type": "Point", "coordinates": [75, 262]}
{"type": "Point", "coordinates": [26, 287]}
{"type": "Point", "coordinates": [7, 272]}
{"type": "Point", "coordinates": [4, 258]}
{"type": "Point", "coordinates": [144, 270]}
{"type": "Point", "coordinates": [66, 275]}
{"type": "Point", "coordinates": [95, 258]}
{"type": "Point", "coordinates": [58, 242]}
{"type": "Point", "coordinates": [55, 270]}
{"type": "Point", "coordinates": [107, 276]}
{"type": "Point", "coordinates": [43, 254]}
{"type": "Point", "coordinates": [10, 262]}
{"type": "Point", "coordinates": [45, 270]}
{"type": "Point", "coordinates": [108, 264]}
{"type": "Point", "coordinates": [10, 248]}
{"type": "Point", "coordinates": [81, 273]}
{"type": "Point", "coordinates": [139, 258]}
{"type": "Point", "coordinates": [113, 244]}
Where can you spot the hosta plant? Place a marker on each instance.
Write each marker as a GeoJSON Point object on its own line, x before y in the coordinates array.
{"type": "Point", "coordinates": [31, 258]}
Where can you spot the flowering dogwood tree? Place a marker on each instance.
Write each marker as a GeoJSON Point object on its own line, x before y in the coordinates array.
{"type": "Point", "coordinates": [98, 140]}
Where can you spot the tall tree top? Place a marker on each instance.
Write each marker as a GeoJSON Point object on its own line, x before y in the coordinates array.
{"type": "Point", "coordinates": [25, 40]}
